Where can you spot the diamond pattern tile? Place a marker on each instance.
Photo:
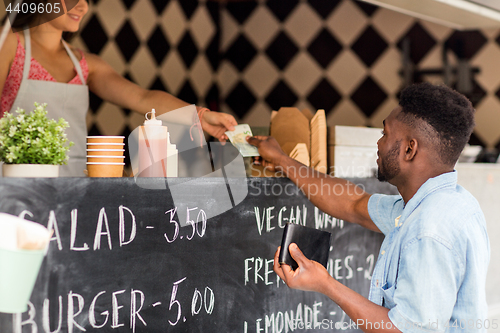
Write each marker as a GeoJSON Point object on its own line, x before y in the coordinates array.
{"type": "Point", "coordinates": [241, 52]}
{"type": "Point", "coordinates": [367, 8]}
{"type": "Point", "coordinates": [261, 27]}
{"type": "Point", "coordinates": [497, 93]}
{"type": "Point", "coordinates": [142, 68]}
{"type": "Point", "coordinates": [140, 17]}
{"type": "Point", "coordinates": [476, 141]}
{"type": "Point", "coordinates": [202, 28]}
{"type": "Point", "coordinates": [369, 46]}
{"type": "Point", "coordinates": [487, 120]}
{"type": "Point", "coordinates": [303, 73]}
{"type": "Point", "coordinates": [240, 99]}
{"type": "Point", "coordinates": [214, 10]}
{"type": "Point", "coordinates": [212, 98]}
{"type": "Point", "coordinates": [187, 49]}
{"type": "Point", "coordinates": [187, 93]}
{"type": "Point", "coordinates": [113, 56]}
{"type": "Point", "coordinates": [438, 31]}
{"type": "Point", "coordinates": [159, 5]}
{"type": "Point", "coordinates": [189, 7]}
{"type": "Point", "coordinates": [347, 22]}
{"type": "Point", "coordinates": [324, 96]}
{"type": "Point", "coordinates": [172, 72]}
{"type": "Point", "coordinates": [230, 31]}
{"type": "Point", "coordinates": [94, 130]}
{"type": "Point", "coordinates": [346, 114]}
{"type": "Point", "coordinates": [158, 45]}
{"type": "Point", "coordinates": [112, 24]}
{"type": "Point", "coordinates": [303, 24]}
{"type": "Point", "coordinates": [324, 7]}
{"type": "Point", "coordinates": [128, 3]}
{"type": "Point", "coordinates": [490, 73]}
{"type": "Point", "coordinates": [420, 42]}
{"type": "Point", "coordinates": [386, 70]}
{"type": "Point", "coordinates": [110, 119]}
{"type": "Point", "coordinates": [94, 36]}
{"type": "Point", "coordinates": [433, 58]}
{"type": "Point", "coordinates": [465, 44]}
{"type": "Point", "coordinates": [281, 9]}
{"type": "Point", "coordinates": [368, 96]}
{"type": "Point", "coordinates": [346, 72]}
{"type": "Point", "coordinates": [241, 11]}
{"type": "Point", "coordinates": [127, 41]}
{"type": "Point", "coordinates": [498, 39]}
{"type": "Point", "coordinates": [201, 76]}
{"type": "Point", "coordinates": [390, 24]}
{"type": "Point", "coordinates": [157, 85]}
{"type": "Point", "coordinates": [382, 112]}
{"type": "Point", "coordinates": [324, 48]}
{"type": "Point", "coordinates": [281, 95]}
{"type": "Point", "coordinates": [227, 77]}
{"type": "Point", "coordinates": [282, 50]}
{"type": "Point", "coordinates": [95, 102]}
{"type": "Point", "coordinates": [212, 52]}
{"type": "Point", "coordinates": [259, 115]}
{"type": "Point", "coordinates": [174, 22]}
{"type": "Point", "coordinates": [261, 75]}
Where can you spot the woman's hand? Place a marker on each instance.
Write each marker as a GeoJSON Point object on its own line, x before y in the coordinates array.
{"type": "Point", "coordinates": [309, 276]}
{"type": "Point", "coordinates": [217, 123]}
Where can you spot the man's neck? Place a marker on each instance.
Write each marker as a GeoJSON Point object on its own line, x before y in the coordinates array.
{"type": "Point", "coordinates": [408, 186]}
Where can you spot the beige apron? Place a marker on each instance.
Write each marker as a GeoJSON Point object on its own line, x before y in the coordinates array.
{"type": "Point", "coordinates": [68, 101]}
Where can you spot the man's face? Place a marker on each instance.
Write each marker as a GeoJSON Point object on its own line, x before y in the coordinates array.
{"type": "Point", "coordinates": [389, 146]}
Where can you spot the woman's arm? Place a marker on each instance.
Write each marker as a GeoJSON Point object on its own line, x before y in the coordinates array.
{"type": "Point", "coordinates": [106, 83]}
{"type": "Point", "coordinates": [7, 55]}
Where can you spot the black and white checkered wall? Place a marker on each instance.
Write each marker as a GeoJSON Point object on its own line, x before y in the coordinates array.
{"type": "Point", "coordinates": [250, 57]}
{"type": "Point", "coordinates": [345, 56]}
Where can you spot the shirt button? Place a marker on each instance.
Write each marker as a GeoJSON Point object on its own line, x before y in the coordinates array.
{"type": "Point", "coordinates": [383, 252]}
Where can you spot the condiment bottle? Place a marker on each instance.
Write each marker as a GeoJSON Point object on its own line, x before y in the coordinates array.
{"type": "Point", "coordinates": [153, 147]}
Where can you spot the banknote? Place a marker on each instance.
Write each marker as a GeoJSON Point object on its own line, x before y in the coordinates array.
{"type": "Point", "coordinates": [238, 139]}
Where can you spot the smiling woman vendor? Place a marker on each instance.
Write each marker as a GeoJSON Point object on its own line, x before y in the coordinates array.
{"type": "Point", "coordinates": [39, 66]}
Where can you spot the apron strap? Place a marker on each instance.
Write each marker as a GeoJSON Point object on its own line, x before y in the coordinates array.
{"type": "Point", "coordinates": [27, 54]}
{"type": "Point", "coordinates": [27, 57]}
{"type": "Point", "coordinates": [75, 61]}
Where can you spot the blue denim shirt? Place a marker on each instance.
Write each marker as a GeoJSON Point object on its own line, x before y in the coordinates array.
{"type": "Point", "coordinates": [431, 269]}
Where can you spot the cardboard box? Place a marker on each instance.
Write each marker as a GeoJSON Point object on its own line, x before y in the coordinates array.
{"type": "Point", "coordinates": [353, 151]}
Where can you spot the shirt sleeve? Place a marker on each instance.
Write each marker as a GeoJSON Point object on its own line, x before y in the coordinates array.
{"type": "Point", "coordinates": [383, 209]}
{"type": "Point", "coordinates": [426, 287]}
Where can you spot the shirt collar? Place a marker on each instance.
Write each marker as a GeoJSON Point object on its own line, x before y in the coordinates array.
{"type": "Point", "coordinates": [445, 180]}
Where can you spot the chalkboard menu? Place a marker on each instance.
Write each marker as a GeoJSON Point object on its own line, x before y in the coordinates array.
{"type": "Point", "coordinates": [124, 259]}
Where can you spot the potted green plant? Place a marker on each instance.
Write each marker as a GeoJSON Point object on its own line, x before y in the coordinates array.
{"type": "Point", "coordinates": [32, 145]}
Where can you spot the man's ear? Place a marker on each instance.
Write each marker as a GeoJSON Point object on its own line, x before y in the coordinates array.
{"type": "Point", "coordinates": [411, 149]}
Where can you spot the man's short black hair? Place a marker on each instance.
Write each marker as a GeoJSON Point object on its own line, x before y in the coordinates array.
{"type": "Point", "coordinates": [448, 112]}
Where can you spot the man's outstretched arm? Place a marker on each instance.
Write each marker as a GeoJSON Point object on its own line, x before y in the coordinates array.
{"type": "Point", "coordinates": [335, 196]}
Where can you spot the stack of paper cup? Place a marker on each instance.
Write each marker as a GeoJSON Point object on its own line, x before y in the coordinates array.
{"type": "Point", "coordinates": [105, 156]}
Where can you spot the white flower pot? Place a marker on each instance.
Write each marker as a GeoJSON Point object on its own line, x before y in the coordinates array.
{"type": "Point", "coordinates": [30, 170]}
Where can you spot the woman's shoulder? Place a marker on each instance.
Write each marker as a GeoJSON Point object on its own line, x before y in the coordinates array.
{"type": "Point", "coordinates": [8, 51]}
{"type": "Point", "coordinates": [91, 57]}
{"type": "Point", "coordinates": [95, 62]}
